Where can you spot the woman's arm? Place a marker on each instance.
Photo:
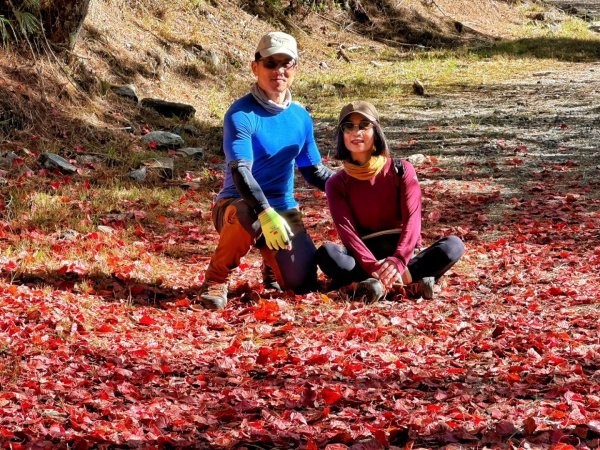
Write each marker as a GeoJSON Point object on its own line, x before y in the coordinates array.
{"type": "Point", "coordinates": [409, 198]}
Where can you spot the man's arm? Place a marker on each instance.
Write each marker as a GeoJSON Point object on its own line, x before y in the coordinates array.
{"type": "Point", "coordinates": [316, 175]}
{"type": "Point", "coordinates": [247, 186]}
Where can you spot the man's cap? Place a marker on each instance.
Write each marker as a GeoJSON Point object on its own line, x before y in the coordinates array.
{"type": "Point", "coordinates": [361, 107]}
{"type": "Point", "coordinates": [275, 43]}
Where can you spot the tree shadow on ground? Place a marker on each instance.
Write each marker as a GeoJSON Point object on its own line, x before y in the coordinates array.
{"type": "Point", "coordinates": [557, 48]}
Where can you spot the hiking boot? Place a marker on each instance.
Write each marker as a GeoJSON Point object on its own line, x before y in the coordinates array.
{"type": "Point", "coordinates": [213, 295]}
{"type": "Point", "coordinates": [370, 290]}
{"type": "Point", "coordinates": [422, 288]}
{"type": "Point", "coordinates": [269, 281]}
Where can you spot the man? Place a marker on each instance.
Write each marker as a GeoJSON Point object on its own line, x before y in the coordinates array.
{"type": "Point", "coordinates": [265, 135]}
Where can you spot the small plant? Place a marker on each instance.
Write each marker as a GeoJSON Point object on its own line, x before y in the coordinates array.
{"type": "Point", "coordinates": [24, 23]}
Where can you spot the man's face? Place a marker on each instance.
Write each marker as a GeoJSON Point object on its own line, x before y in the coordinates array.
{"type": "Point", "coordinates": [274, 74]}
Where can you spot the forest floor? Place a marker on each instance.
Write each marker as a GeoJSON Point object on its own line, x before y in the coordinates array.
{"type": "Point", "coordinates": [505, 356]}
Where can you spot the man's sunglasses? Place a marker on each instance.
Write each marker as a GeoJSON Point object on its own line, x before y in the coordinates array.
{"type": "Point", "coordinates": [349, 127]}
{"type": "Point", "coordinates": [272, 64]}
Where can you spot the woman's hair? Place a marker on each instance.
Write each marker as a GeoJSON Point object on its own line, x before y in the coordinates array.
{"type": "Point", "coordinates": [381, 147]}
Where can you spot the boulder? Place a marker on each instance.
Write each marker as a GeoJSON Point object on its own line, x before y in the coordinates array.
{"type": "Point", "coordinates": [53, 161]}
{"type": "Point", "coordinates": [163, 140]}
{"type": "Point", "coordinates": [127, 91]}
{"type": "Point", "coordinates": [169, 109]}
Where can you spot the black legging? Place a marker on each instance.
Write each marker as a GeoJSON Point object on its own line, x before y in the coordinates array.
{"type": "Point", "coordinates": [338, 264]}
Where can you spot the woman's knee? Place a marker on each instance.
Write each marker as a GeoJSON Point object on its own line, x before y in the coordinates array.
{"type": "Point", "coordinates": [454, 247]}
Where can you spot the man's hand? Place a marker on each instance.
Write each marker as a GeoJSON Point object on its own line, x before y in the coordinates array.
{"type": "Point", "coordinates": [275, 229]}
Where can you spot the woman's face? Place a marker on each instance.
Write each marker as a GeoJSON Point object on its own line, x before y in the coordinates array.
{"type": "Point", "coordinates": [359, 137]}
{"type": "Point", "coordinates": [274, 75]}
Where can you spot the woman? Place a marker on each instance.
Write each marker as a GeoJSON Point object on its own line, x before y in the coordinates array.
{"type": "Point", "coordinates": [376, 206]}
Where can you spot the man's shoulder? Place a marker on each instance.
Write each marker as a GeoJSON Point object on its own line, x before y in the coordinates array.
{"type": "Point", "coordinates": [242, 104]}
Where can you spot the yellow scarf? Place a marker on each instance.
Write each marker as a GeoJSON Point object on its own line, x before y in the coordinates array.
{"type": "Point", "coordinates": [368, 170]}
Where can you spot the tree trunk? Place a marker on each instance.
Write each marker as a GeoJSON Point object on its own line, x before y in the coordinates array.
{"type": "Point", "coordinates": [62, 20]}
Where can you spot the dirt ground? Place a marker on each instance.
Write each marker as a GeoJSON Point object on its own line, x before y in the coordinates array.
{"type": "Point", "coordinates": [511, 135]}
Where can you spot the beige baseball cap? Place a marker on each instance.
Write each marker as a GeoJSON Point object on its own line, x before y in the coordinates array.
{"type": "Point", "coordinates": [276, 42]}
{"type": "Point", "coordinates": [361, 107]}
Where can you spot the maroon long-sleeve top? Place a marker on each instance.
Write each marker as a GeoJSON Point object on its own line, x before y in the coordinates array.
{"type": "Point", "coordinates": [387, 201]}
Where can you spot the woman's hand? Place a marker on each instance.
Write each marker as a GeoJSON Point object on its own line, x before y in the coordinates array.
{"type": "Point", "coordinates": [388, 273]}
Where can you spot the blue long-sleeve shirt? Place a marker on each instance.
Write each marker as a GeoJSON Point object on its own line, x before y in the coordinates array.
{"type": "Point", "coordinates": [273, 144]}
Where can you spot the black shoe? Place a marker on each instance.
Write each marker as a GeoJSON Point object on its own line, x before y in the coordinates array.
{"type": "Point", "coordinates": [269, 281]}
{"type": "Point", "coordinates": [422, 288]}
{"type": "Point", "coordinates": [370, 290]}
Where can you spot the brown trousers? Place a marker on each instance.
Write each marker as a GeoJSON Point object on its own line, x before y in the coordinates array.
{"type": "Point", "coordinates": [239, 231]}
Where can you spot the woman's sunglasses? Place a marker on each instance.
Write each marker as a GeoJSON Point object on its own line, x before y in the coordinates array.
{"type": "Point", "coordinates": [272, 64]}
{"type": "Point", "coordinates": [349, 127]}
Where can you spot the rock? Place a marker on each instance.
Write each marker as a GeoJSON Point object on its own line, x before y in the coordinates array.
{"type": "Point", "coordinates": [595, 27]}
{"type": "Point", "coordinates": [7, 160]}
{"type": "Point", "coordinates": [416, 159]}
{"type": "Point", "coordinates": [211, 58]}
{"type": "Point", "coordinates": [127, 91]}
{"type": "Point", "coordinates": [187, 129]}
{"type": "Point", "coordinates": [323, 65]}
{"type": "Point", "coordinates": [163, 140]}
{"type": "Point", "coordinates": [166, 167]}
{"type": "Point", "coordinates": [418, 87]}
{"type": "Point", "coordinates": [169, 109]}
{"type": "Point", "coordinates": [53, 161]}
{"type": "Point", "coordinates": [105, 229]}
{"type": "Point", "coordinates": [192, 152]}
{"type": "Point", "coordinates": [67, 235]}
{"type": "Point", "coordinates": [138, 174]}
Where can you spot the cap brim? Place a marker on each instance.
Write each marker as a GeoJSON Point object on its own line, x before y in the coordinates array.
{"type": "Point", "coordinates": [278, 51]}
{"type": "Point", "coordinates": [366, 116]}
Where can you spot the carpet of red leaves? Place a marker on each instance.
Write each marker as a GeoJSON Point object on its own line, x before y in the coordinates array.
{"type": "Point", "coordinates": [506, 356]}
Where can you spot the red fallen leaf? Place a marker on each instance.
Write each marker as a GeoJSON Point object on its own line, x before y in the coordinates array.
{"type": "Point", "coordinates": [310, 445]}
{"type": "Point", "coordinates": [562, 447]}
{"type": "Point", "coordinates": [146, 320]}
{"type": "Point", "coordinates": [318, 359]}
{"type": "Point", "coordinates": [183, 303]}
{"type": "Point", "coordinates": [436, 169]}
{"type": "Point", "coordinates": [505, 428]}
{"type": "Point", "coordinates": [564, 126]}
{"type": "Point", "coordinates": [554, 290]}
{"type": "Point", "coordinates": [267, 311]}
{"type": "Point", "coordinates": [434, 216]}
{"type": "Point", "coordinates": [331, 396]}
{"type": "Point", "coordinates": [105, 328]}
{"type": "Point", "coordinates": [521, 148]}
{"type": "Point", "coordinates": [137, 289]}
{"type": "Point", "coordinates": [263, 355]}
{"type": "Point", "coordinates": [558, 414]}
{"type": "Point", "coordinates": [529, 425]}
{"type": "Point", "coordinates": [434, 408]}
{"type": "Point", "coordinates": [572, 197]}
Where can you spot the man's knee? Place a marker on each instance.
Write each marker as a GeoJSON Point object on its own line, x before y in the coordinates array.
{"type": "Point", "coordinates": [298, 266]}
